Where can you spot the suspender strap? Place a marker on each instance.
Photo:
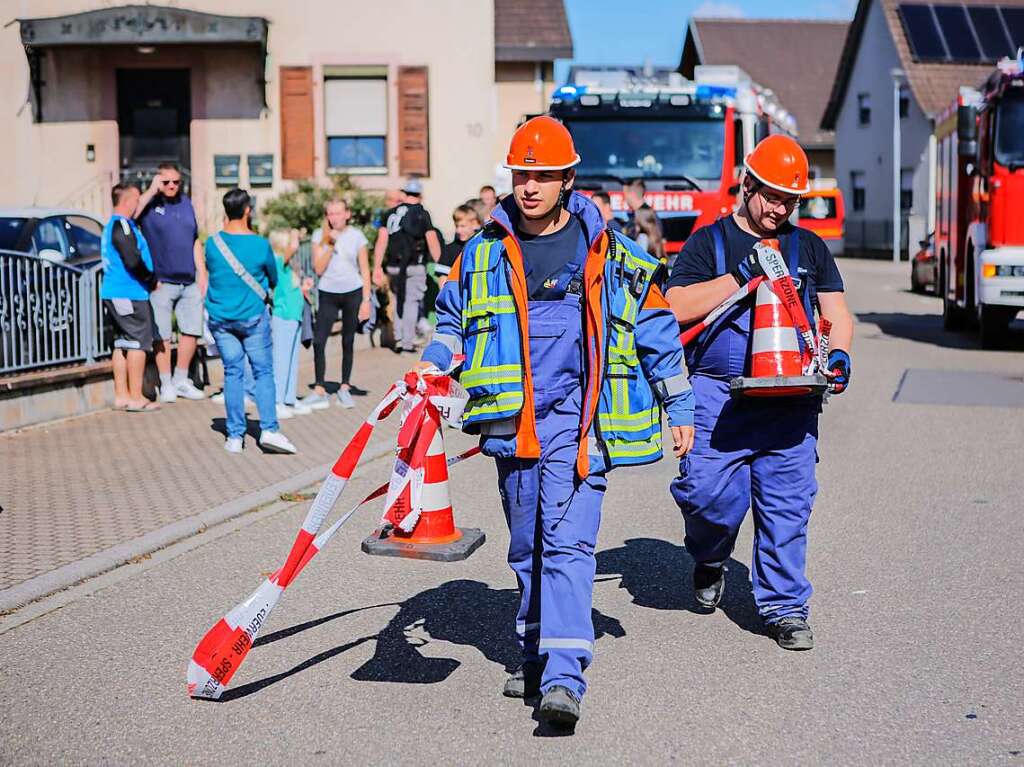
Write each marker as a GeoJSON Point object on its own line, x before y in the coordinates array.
{"type": "Point", "coordinates": [719, 238]}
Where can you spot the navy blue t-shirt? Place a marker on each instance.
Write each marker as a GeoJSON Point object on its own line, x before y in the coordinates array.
{"type": "Point", "coordinates": [546, 260]}
{"type": "Point", "coordinates": [171, 231]}
{"type": "Point", "coordinates": [696, 261]}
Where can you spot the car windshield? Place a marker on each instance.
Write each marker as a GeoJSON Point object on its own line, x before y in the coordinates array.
{"type": "Point", "coordinates": [1010, 130]}
{"type": "Point", "coordinates": [10, 232]}
{"type": "Point", "coordinates": [650, 148]}
{"type": "Point", "coordinates": [817, 208]}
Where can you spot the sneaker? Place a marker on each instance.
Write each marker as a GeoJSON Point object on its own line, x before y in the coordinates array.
{"type": "Point", "coordinates": [284, 413]}
{"type": "Point", "coordinates": [316, 401]}
{"type": "Point", "coordinates": [276, 442]}
{"type": "Point", "coordinates": [188, 390]}
{"type": "Point", "coordinates": [560, 706]}
{"type": "Point", "coordinates": [250, 403]}
{"type": "Point", "coordinates": [708, 585]}
{"type": "Point", "coordinates": [300, 408]}
{"type": "Point", "coordinates": [524, 682]}
{"type": "Point", "coordinates": [233, 444]}
{"type": "Point", "coordinates": [792, 633]}
{"type": "Point", "coordinates": [168, 393]}
{"type": "Point", "coordinates": [345, 398]}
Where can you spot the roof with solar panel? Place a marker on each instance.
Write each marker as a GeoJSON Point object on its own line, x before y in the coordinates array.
{"type": "Point", "coordinates": [941, 45]}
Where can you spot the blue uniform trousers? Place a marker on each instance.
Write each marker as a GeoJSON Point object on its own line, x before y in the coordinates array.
{"type": "Point", "coordinates": [761, 455]}
{"type": "Point", "coordinates": [553, 519]}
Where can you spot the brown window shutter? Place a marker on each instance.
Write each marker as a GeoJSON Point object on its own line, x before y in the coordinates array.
{"type": "Point", "coordinates": [296, 122]}
{"type": "Point", "coordinates": [413, 122]}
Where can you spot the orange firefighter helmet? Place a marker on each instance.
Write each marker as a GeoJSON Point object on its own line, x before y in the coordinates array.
{"type": "Point", "coordinates": [541, 143]}
{"type": "Point", "coordinates": [779, 162]}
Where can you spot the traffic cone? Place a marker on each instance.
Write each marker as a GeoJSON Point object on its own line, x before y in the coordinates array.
{"type": "Point", "coordinates": [775, 359]}
{"type": "Point", "coordinates": [418, 521]}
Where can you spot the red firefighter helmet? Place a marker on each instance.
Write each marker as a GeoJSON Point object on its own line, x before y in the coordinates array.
{"type": "Point", "coordinates": [541, 143]}
{"type": "Point", "coordinates": [779, 162]}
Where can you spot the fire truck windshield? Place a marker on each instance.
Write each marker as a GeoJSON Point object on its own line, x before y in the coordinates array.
{"type": "Point", "coordinates": [1010, 131]}
{"type": "Point", "coordinates": [650, 148]}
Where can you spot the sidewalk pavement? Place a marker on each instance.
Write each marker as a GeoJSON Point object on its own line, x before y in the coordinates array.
{"type": "Point", "coordinates": [74, 489]}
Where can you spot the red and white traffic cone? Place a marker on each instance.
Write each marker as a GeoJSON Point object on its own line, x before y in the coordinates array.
{"type": "Point", "coordinates": [775, 361]}
{"type": "Point", "coordinates": [418, 520]}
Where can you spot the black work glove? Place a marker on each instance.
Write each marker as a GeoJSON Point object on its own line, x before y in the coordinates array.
{"type": "Point", "coordinates": [838, 371]}
{"type": "Point", "coordinates": [747, 269]}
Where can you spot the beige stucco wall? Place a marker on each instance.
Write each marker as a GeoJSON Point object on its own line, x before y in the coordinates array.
{"type": "Point", "coordinates": [454, 39]}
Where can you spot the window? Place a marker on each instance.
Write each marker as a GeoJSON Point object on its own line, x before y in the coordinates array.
{"type": "Point", "coordinates": [906, 188]}
{"type": "Point", "coordinates": [904, 100]}
{"type": "Point", "coordinates": [49, 235]}
{"type": "Point", "coordinates": [84, 234]}
{"type": "Point", "coordinates": [11, 230]}
{"type": "Point", "coordinates": [857, 186]}
{"type": "Point", "coordinates": [864, 109]}
{"type": "Point", "coordinates": [356, 119]}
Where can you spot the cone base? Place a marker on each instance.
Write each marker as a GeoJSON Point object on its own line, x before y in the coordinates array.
{"type": "Point", "coordinates": [778, 386]}
{"type": "Point", "coordinates": [385, 543]}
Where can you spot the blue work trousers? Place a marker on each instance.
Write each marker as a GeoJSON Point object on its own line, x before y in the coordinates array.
{"type": "Point", "coordinates": [238, 341]}
{"type": "Point", "coordinates": [759, 455]}
{"type": "Point", "coordinates": [553, 518]}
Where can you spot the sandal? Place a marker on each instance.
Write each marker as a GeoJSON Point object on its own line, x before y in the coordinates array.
{"type": "Point", "coordinates": [149, 407]}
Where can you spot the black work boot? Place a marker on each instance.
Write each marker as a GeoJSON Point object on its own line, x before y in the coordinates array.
{"type": "Point", "coordinates": [792, 633]}
{"type": "Point", "coordinates": [708, 585]}
{"type": "Point", "coordinates": [524, 682]}
{"type": "Point", "coordinates": [560, 706]}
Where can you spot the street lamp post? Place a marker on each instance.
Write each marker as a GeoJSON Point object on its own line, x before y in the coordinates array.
{"type": "Point", "coordinates": [897, 161]}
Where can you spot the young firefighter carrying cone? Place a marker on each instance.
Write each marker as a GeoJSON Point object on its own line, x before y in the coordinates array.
{"type": "Point", "coordinates": [755, 453]}
{"type": "Point", "coordinates": [571, 352]}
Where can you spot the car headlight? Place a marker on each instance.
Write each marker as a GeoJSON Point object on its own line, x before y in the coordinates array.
{"type": "Point", "coordinates": [1002, 270]}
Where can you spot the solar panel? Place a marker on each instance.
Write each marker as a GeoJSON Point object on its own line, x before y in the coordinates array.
{"type": "Point", "coordinates": [922, 33]}
{"type": "Point", "coordinates": [959, 40]}
{"type": "Point", "coordinates": [1014, 18]}
{"type": "Point", "coordinates": [991, 32]}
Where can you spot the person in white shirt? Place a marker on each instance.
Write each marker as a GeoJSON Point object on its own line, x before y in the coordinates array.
{"type": "Point", "coordinates": [341, 260]}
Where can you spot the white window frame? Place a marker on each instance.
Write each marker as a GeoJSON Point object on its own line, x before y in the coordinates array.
{"type": "Point", "coordinates": [355, 73]}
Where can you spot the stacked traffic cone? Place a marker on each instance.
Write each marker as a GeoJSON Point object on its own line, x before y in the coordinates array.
{"type": "Point", "coordinates": [775, 360]}
{"type": "Point", "coordinates": [418, 521]}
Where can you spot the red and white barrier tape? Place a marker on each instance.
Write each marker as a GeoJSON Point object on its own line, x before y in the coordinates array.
{"type": "Point", "coordinates": [225, 646]}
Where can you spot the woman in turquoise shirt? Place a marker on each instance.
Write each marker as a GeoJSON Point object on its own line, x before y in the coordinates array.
{"type": "Point", "coordinates": [286, 322]}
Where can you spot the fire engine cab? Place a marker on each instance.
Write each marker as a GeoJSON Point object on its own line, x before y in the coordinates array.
{"type": "Point", "coordinates": [979, 230]}
{"type": "Point", "coordinates": [686, 139]}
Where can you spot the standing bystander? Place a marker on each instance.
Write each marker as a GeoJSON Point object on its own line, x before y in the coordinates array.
{"type": "Point", "coordinates": [341, 259]}
{"type": "Point", "coordinates": [405, 241]}
{"type": "Point", "coordinates": [127, 281]}
{"type": "Point", "coordinates": [242, 274]}
{"type": "Point", "coordinates": [604, 204]}
{"type": "Point", "coordinates": [168, 222]}
{"type": "Point", "coordinates": [467, 223]}
{"type": "Point", "coordinates": [286, 323]}
{"type": "Point", "coordinates": [488, 197]}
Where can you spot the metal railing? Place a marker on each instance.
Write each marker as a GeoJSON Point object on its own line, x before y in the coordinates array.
{"type": "Point", "coordinates": [50, 314]}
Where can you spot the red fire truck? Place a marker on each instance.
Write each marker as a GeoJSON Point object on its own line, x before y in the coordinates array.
{"type": "Point", "coordinates": [979, 229]}
{"type": "Point", "coordinates": [685, 138]}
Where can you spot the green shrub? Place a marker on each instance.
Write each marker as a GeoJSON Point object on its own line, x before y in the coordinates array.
{"type": "Point", "coordinates": [303, 207]}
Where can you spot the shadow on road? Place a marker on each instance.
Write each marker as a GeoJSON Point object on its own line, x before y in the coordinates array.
{"type": "Point", "coordinates": [463, 612]}
{"type": "Point", "coordinates": [252, 427]}
{"type": "Point", "coordinates": [657, 574]}
{"type": "Point", "coordinates": [927, 329]}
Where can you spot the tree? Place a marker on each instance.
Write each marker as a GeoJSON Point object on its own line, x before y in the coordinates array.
{"type": "Point", "coordinates": [303, 207]}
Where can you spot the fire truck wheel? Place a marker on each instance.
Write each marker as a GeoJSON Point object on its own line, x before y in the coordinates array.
{"type": "Point", "coordinates": [952, 315]}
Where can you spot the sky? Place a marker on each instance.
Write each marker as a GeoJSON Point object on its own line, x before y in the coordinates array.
{"type": "Point", "coordinates": [632, 31]}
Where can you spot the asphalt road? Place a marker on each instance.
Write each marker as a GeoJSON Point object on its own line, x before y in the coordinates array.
{"type": "Point", "coordinates": [915, 555]}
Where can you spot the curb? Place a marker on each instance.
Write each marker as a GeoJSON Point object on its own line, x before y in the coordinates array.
{"type": "Point", "coordinates": [33, 589]}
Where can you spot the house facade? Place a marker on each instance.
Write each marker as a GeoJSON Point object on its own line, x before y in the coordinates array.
{"type": "Point", "coordinates": [262, 93]}
{"type": "Point", "coordinates": [927, 50]}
